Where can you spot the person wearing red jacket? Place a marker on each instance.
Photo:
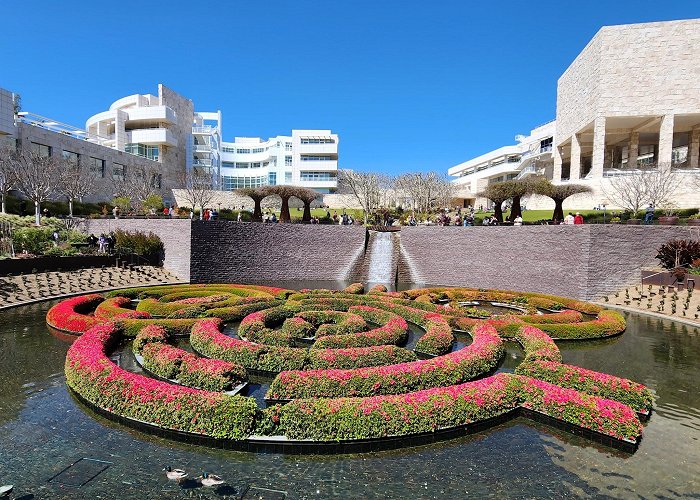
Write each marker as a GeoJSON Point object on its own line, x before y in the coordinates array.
{"type": "Point", "coordinates": [578, 218]}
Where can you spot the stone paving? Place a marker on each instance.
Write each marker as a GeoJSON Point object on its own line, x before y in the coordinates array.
{"type": "Point", "coordinates": [22, 289]}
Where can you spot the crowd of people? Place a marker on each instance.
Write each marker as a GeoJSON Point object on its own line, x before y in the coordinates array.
{"type": "Point", "coordinates": [104, 244]}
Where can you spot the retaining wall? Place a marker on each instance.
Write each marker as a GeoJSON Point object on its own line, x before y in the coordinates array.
{"type": "Point", "coordinates": [229, 252]}
{"type": "Point", "coordinates": [175, 234]}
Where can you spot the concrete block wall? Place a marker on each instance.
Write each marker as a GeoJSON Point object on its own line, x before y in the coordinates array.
{"type": "Point", "coordinates": [230, 252]}
{"type": "Point", "coordinates": [175, 234]}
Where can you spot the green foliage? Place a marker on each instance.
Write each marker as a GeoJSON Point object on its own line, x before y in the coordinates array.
{"type": "Point", "coordinates": [34, 240]}
{"type": "Point", "coordinates": [138, 242]}
{"type": "Point", "coordinates": [153, 202]}
{"type": "Point", "coordinates": [123, 202]}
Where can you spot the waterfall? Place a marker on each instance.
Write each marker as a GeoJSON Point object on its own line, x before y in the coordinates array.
{"type": "Point", "coordinates": [380, 255]}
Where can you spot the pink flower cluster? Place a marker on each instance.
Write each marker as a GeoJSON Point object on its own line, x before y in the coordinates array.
{"type": "Point", "coordinates": [72, 315]}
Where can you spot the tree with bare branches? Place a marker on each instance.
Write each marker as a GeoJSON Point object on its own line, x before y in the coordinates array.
{"type": "Point", "coordinates": [425, 191]}
{"type": "Point", "coordinates": [7, 173]}
{"type": "Point", "coordinates": [257, 195]}
{"type": "Point", "coordinates": [558, 193]}
{"type": "Point", "coordinates": [198, 188]}
{"type": "Point", "coordinates": [139, 182]}
{"type": "Point", "coordinates": [634, 189]}
{"type": "Point", "coordinates": [77, 181]}
{"type": "Point", "coordinates": [364, 186]}
{"type": "Point", "coordinates": [37, 178]}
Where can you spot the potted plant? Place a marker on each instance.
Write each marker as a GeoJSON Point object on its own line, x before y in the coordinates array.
{"type": "Point", "coordinates": [694, 220]}
{"type": "Point", "coordinates": [669, 218]}
{"type": "Point", "coordinates": [615, 220]}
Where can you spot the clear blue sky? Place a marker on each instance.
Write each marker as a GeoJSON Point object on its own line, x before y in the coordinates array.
{"type": "Point", "coordinates": [408, 85]}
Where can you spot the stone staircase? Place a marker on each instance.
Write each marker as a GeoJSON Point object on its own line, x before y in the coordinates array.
{"type": "Point", "coordinates": [16, 290]}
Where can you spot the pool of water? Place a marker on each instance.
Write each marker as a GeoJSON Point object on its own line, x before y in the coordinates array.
{"type": "Point", "coordinates": [43, 430]}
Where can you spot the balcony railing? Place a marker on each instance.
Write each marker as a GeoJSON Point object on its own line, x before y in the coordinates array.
{"type": "Point", "coordinates": [202, 163]}
{"type": "Point", "coordinates": [203, 130]}
{"type": "Point", "coordinates": [201, 148]}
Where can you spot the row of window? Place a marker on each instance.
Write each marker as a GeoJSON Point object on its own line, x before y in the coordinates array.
{"type": "Point", "coordinates": [317, 176]}
{"type": "Point", "coordinates": [317, 158]}
{"type": "Point", "coordinates": [317, 140]}
{"type": "Point", "coordinates": [230, 183]}
{"type": "Point", "coordinates": [150, 152]}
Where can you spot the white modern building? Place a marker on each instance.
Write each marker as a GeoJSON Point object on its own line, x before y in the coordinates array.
{"type": "Point", "coordinates": [630, 100]}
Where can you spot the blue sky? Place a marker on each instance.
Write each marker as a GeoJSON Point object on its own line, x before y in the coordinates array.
{"type": "Point", "coordinates": [408, 85]}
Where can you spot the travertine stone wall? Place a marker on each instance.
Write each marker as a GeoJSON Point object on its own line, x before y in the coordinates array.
{"type": "Point", "coordinates": [648, 69]}
{"type": "Point", "coordinates": [174, 159]}
{"type": "Point", "coordinates": [229, 252]}
{"type": "Point", "coordinates": [175, 234]}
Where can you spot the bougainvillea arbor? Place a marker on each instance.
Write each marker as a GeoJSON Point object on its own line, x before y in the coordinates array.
{"type": "Point", "coordinates": [338, 362]}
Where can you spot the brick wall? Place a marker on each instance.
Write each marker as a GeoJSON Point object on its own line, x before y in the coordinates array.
{"type": "Point", "coordinates": [229, 252]}
{"type": "Point", "coordinates": [175, 234]}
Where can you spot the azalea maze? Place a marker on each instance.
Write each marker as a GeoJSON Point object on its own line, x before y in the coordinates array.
{"type": "Point", "coordinates": [338, 364]}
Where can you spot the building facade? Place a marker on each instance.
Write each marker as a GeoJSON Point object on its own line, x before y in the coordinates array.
{"type": "Point", "coordinates": [629, 101]}
{"type": "Point", "coordinates": [164, 136]}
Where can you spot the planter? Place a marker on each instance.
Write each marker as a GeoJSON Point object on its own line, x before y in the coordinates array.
{"type": "Point", "coordinates": [668, 221]}
{"type": "Point", "coordinates": [634, 222]}
{"type": "Point", "coordinates": [694, 222]}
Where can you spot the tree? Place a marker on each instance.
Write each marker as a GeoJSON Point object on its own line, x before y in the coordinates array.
{"type": "Point", "coordinates": [307, 196]}
{"type": "Point", "coordinates": [7, 172]}
{"type": "Point", "coordinates": [37, 178]}
{"type": "Point", "coordinates": [425, 191]}
{"type": "Point", "coordinates": [198, 187]}
{"type": "Point", "coordinates": [558, 193]}
{"type": "Point", "coordinates": [660, 185]}
{"type": "Point", "coordinates": [284, 192]}
{"type": "Point", "coordinates": [138, 183]}
{"type": "Point", "coordinates": [497, 192]}
{"type": "Point", "coordinates": [653, 185]}
{"type": "Point", "coordinates": [364, 186]}
{"type": "Point", "coordinates": [257, 195]}
{"type": "Point", "coordinates": [77, 181]}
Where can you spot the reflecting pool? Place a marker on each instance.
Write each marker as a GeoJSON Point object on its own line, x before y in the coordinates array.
{"type": "Point", "coordinates": [43, 430]}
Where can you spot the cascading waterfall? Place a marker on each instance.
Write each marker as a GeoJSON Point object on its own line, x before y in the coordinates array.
{"type": "Point", "coordinates": [380, 256]}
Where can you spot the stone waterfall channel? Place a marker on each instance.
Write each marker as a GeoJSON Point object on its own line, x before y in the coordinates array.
{"type": "Point", "coordinates": [381, 258]}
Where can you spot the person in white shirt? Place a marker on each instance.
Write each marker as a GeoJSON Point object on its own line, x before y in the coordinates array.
{"type": "Point", "coordinates": [518, 221]}
{"type": "Point", "coordinates": [569, 219]}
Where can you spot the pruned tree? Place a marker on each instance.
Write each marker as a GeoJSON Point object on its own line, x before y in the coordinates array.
{"type": "Point", "coordinates": [365, 188]}
{"type": "Point", "coordinates": [257, 195]}
{"type": "Point", "coordinates": [660, 185]}
{"type": "Point", "coordinates": [307, 197]}
{"type": "Point", "coordinates": [198, 188]}
{"type": "Point", "coordinates": [7, 174]}
{"type": "Point", "coordinates": [498, 192]}
{"type": "Point", "coordinates": [653, 185]}
{"type": "Point", "coordinates": [284, 192]}
{"type": "Point", "coordinates": [37, 178]}
{"type": "Point", "coordinates": [558, 193]}
{"type": "Point", "coordinates": [77, 181]}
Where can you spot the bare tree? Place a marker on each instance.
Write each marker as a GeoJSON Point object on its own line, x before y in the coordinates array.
{"type": "Point", "coordinates": [7, 173]}
{"type": "Point", "coordinates": [257, 195]}
{"type": "Point", "coordinates": [37, 177]}
{"type": "Point", "coordinates": [77, 181]}
{"type": "Point", "coordinates": [558, 193]}
{"type": "Point", "coordinates": [660, 185]}
{"type": "Point", "coordinates": [364, 186]}
{"type": "Point", "coordinates": [653, 185]}
{"type": "Point", "coordinates": [198, 188]}
{"type": "Point", "coordinates": [138, 183]}
{"type": "Point", "coordinates": [425, 191]}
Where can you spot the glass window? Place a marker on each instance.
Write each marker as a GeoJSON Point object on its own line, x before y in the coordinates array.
{"type": "Point", "coordinates": [230, 183]}
{"type": "Point", "coordinates": [242, 150]}
{"type": "Point", "coordinates": [41, 149]}
{"type": "Point", "coordinates": [287, 146]}
{"type": "Point", "coordinates": [97, 166]}
{"type": "Point", "coordinates": [150, 152]}
{"type": "Point", "coordinates": [118, 171]}
{"type": "Point", "coordinates": [242, 164]}
{"type": "Point", "coordinates": [287, 177]}
{"type": "Point", "coordinates": [228, 164]}
{"type": "Point", "coordinates": [259, 150]}
{"type": "Point", "coordinates": [317, 176]}
{"type": "Point", "coordinates": [70, 156]}
{"type": "Point", "coordinates": [546, 144]}
{"type": "Point", "coordinates": [288, 161]}
{"type": "Point", "coordinates": [272, 178]}
{"type": "Point", "coordinates": [228, 149]}
{"type": "Point", "coordinates": [317, 140]}
{"type": "Point", "coordinates": [317, 158]}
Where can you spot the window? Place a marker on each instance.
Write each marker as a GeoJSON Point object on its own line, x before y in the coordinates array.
{"type": "Point", "coordinates": [317, 158]}
{"type": "Point", "coordinates": [242, 151]}
{"type": "Point", "coordinates": [272, 178]}
{"type": "Point", "coordinates": [513, 159]}
{"type": "Point", "coordinates": [287, 146]}
{"type": "Point", "coordinates": [255, 165]}
{"type": "Point", "coordinates": [259, 150]}
{"type": "Point", "coordinates": [228, 149]}
{"type": "Point", "coordinates": [118, 171]}
{"type": "Point", "coordinates": [242, 164]}
{"type": "Point", "coordinates": [150, 152]}
{"type": "Point", "coordinates": [287, 177]}
{"type": "Point", "coordinates": [228, 164]}
{"type": "Point", "coordinates": [317, 140]}
{"type": "Point", "coordinates": [317, 176]}
{"type": "Point", "coordinates": [41, 149]}
{"type": "Point", "coordinates": [288, 161]}
{"type": "Point", "coordinates": [546, 144]}
{"type": "Point", "coordinates": [70, 156]}
{"type": "Point", "coordinates": [97, 166]}
{"type": "Point", "coordinates": [230, 183]}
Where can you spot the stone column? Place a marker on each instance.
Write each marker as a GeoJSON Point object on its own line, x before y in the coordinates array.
{"type": "Point", "coordinates": [598, 147]}
{"type": "Point", "coordinates": [633, 151]}
{"type": "Point", "coordinates": [665, 143]}
{"type": "Point", "coordinates": [575, 170]}
{"type": "Point", "coordinates": [694, 148]}
{"type": "Point", "coordinates": [556, 173]}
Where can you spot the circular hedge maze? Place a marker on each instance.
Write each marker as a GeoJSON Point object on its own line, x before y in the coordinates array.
{"type": "Point", "coordinates": [338, 365]}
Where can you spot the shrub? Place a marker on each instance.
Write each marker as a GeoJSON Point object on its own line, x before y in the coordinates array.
{"type": "Point", "coordinates": [91, 374]}
{"type": "Point", "coordinates": [210, 374]}
{"type": "Point", "coordinates": [138, 242]}
{"type": "Point", "coordinates": [71, 315]}
{"type": "Point", "coordinates": [34, 240]}
{"type": "Point", "coordinates": [113, 308]}
{"type": "Point", "coordinates": [608, 323]}
{"type": "Point", "coordinates": [162, 359]}
{"type": "Point", "coordinates": [149, 334]}
{"type": "Point", "coordinates": [359, 357]}
{"type": "Point", "coordinates": [676, 253]}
